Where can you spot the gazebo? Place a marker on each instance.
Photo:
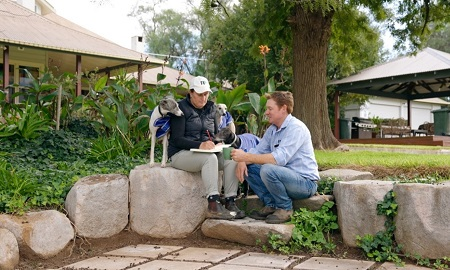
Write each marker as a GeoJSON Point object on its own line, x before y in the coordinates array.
{"type": "Point", "coordinates": [420, 76]}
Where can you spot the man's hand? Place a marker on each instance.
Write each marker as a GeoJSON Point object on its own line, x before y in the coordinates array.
{"type": "Point", "coordinates": [241, 171]}
{"type": "Point", "coordinates": [238, 155]}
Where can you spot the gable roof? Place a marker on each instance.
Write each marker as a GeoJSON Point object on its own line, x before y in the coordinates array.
{"type": "Point", "coordinates": [22, 27]}
{"type": "Point", "coordinates": [149, 76]}
{"type": "Point", "coordinates": [424, 75]}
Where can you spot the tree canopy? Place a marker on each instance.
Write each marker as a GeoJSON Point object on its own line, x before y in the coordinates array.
{"type": "Point", "coordinates": [311, 42]}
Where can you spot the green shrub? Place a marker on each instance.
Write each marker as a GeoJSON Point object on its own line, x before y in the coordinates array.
{"type": "Point", "coordinates": [25, 123]}
{"type": "Point", "coordinates": [16, 188]}
{"type": "Point", "coordinates": [312, 231]}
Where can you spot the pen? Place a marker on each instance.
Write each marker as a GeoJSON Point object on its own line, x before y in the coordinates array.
{"type": "Point", "coordinates": [209, 135]}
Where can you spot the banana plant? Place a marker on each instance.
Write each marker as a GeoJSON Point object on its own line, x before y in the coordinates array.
{"type": "Point", "coordinates": [256, 121]}
{"type": "Point", "coordinates": [118, 106]}
{"type": "Point", "coordinates": [26, 123]}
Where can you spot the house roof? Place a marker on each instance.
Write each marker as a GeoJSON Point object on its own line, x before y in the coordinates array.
{"type": "Point", "coordinates": [63, 39]}
{"type": "Point", "coordinates": [433, 101]}
{"type": "Point", "coordinates": [149, 76]}
{"type": "Point", "coordinates": [424, 75]}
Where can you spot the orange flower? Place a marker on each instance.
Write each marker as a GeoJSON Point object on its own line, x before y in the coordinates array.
{"type": "Point", "coordinates": [263, 49]}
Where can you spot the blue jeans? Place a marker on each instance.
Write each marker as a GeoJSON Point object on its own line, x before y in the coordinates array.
{"type": "Point", "coordinates": [277, 186]}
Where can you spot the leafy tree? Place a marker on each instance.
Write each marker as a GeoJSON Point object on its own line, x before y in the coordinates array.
{"type": "Point", "coordinates": [308, 25]}
{"type": "Point", "coordinates": [439, 39]}
{"type": "Point", "coordinates": [234, 54]}
{"type": "Point", "coordinates": [168, 33]}
{"type": "Point", "coordinates": [233, 46]}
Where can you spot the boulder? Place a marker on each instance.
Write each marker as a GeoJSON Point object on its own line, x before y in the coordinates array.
{"type": "Point", "coordinates": [313, 203]}
{"type": "Point", "coordinates": [356, 203]}
{"type": "Point", "coordinates": [39, 234]}
{"type": "Point", "coordinates": [423, 218]}
{"type": "Point", "coordinates": [9, 250]}
{"type": "Point", "coordinates": [346, 174]}
{"type": "Point", "coordinates": [166, 202]}
{"type": "Point", "coordinates": [98, 205]}
{"type": "Point", "coordinates": [246, 231]}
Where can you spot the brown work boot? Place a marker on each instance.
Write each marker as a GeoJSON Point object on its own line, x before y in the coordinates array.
{"type": "Point", "coordinates": [216, 209]}
{"type": "Point", "coordinates": [263, 213]}
{"type": "Point", "coordinates": [279, 216]}
{"type": "Point", "coordinates": [230, 204]}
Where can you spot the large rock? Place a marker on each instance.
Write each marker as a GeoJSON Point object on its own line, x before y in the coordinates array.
{"type": "Point", "coordinates": [313, 203]}
{"type": "Point", "coordinates": [346, 174]}
{"type": "Point", "coordinates": [98, 205]}
{"type": "Point", "coordinates": [246, 231]}
{"type": "Point", "coordinates": [39, 234]}
{"type": "Point", "coordinates": [356, 203]}
{"type": "Point", "coordinates": [423, 219]}
{"type": "Point", "coordinates": [166, 202]}
{"type": "Point", "coordinates": [9, 250]}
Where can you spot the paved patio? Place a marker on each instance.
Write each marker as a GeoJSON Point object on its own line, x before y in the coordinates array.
{"type": "Point", "coordinates": [155, 257]}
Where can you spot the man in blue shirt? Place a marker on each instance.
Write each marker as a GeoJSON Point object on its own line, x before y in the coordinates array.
{"type": "Point", "coordinates": [282, 166]}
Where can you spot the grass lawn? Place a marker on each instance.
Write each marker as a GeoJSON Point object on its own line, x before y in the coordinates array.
{"type": "Point", "coordinates": [387, 161]}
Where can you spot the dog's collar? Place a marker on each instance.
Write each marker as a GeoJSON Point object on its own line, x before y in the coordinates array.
{"type": "Point", "coordinates": [159, 110]}
{"type": "Point", "coordinates": [235, 138]}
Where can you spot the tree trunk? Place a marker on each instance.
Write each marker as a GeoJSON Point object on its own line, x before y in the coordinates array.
{"type": "Point", "coordinates": [311, 34]}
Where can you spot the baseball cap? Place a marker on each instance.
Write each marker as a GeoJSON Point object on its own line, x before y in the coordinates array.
{"type": "Point", "coordinates": [200, 85]}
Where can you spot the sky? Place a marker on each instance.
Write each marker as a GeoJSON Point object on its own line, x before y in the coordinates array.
{"type": "Point", "coordinates": [108, 19]}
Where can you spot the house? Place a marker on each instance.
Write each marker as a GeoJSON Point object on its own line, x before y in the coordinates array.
{"type": "Point", "coordinates": [173, 77]}
{"type": "Point", "coordinates": [390, 108]}
{"type": "Point", "coordinates": [34, 37]}
{"type": "Point", "coordinates": [408, 87]}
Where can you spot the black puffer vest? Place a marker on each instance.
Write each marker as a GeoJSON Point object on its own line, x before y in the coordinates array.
{"type": "Point", "coordinates": [198, 120]}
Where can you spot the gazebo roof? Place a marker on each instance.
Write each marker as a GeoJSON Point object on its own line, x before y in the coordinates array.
{"type": "Point", "coordinates": [424, 75]}
{"type": "Point", "coordinates": [62, 40]}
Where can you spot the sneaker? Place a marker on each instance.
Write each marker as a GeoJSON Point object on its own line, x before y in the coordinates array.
{"type": "Point", "coordinates": [232, 207]}
{"type": "Point", "coordinates": [216, 210]}
{"type": "Point", "coordinates": [279, 216]}
{"type": "Point", "coordinates": [263, 213]}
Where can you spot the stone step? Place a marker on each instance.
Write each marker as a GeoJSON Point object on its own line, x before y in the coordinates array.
{"type": "Point", "coordinates": [313, 203]}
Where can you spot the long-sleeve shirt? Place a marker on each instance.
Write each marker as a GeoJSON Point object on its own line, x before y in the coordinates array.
{"type": "Point", "coordinates": [291, 146]}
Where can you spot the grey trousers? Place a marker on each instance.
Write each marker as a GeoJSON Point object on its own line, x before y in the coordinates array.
{"type": "Point", "coordinates": [209, 165]}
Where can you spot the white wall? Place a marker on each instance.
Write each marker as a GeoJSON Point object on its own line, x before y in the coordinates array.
{"type": "Point", "coordinates": [393, 108]}
{"type": "Point", "coordinates": [30, 4]}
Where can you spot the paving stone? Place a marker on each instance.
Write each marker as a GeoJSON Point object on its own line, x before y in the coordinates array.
{"type": "Point", "coordinates": [264, 260]}
{"type": "Point", "coordinates": [239, 267]}
{"type": "Point", "coordinates": [246, 231]}
{"type": "Point", "coordinates": [392, 266]}
{"type": "Point", "coordinates": [322, 263]}
{"type": "Point", "coordinates": [171, 265]}
{"type": "Point", "coordinates": [107, 263]}
{"type": "Point", "coordinates": [202, 254]}
{"type": "Point", "coordinates": [145, 251]}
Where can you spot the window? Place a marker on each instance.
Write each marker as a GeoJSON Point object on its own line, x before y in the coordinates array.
{"type": "Point", "coordinates": [19, 80]}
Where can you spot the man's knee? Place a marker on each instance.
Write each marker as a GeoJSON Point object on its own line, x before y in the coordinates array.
{"type": "Point", "coordinates": [267, 169]}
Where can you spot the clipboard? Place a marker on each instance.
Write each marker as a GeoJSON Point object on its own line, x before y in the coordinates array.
{"type": "Point", "coordinates": [216, 149]}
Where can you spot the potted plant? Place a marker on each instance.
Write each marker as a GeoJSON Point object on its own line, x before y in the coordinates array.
{"type": "Point", "coordinates": [377, 121]}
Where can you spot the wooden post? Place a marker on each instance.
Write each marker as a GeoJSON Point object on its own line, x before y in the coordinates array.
{"type": "Point", "coordinates": [336, 115]}
{"type": "Point", "coordinates": [78, 72]}
{"type": "Point", "coordinates": [409, 113]}
{"type": "Point", "coordinates": [140, 78]}
{"type": "Point", "coordinates": [6, 71]}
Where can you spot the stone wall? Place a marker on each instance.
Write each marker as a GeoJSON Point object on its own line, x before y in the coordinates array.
{"type": "Point", "coordinates": [169, 203]}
